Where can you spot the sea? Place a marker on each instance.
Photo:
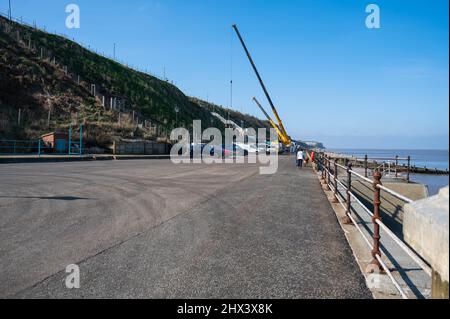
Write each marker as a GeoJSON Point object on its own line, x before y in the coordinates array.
{"type": "Point", "coordinates": [431, 159]}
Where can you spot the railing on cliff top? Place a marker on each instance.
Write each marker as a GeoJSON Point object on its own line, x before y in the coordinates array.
{"type": "Point", "coordinates": [330, 178]}
{"type": "Point", "coordinates": [117, 103]}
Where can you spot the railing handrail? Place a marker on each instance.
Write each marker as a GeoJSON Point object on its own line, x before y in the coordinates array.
{"type": "Point", "coordinates": [394, 193]}
{"type": "Point", "coordinates": [357, 157]}
{"type": "Point", "coordinates": [384, 158]}
{"type": "Point", "coordinates": [377, 256]}
{"type": "Point", "coordinates": [384, 188]}
{"type": "Point", "coordinates": [325, 163]}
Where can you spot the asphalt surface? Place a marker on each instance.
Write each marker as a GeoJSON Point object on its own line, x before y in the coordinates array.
{"type": "Point", "coordinates": [152, 229]}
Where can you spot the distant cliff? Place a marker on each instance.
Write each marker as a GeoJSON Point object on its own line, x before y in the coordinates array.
{"type": "Point", "coordinates": [314, 144]}
{"type": "Point", "coordinates": [310, 144]}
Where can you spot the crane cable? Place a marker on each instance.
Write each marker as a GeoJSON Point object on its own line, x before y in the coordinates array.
{"type": "Point", "coordinates": [231, 68]}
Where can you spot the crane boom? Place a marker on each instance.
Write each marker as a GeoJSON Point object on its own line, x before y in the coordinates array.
{"type": "Point", "coordinates": [263, 110]}
{"type": "Point", "coordinates": [272, 123]}
{"type": "Point", "coordinates": [280, 123]}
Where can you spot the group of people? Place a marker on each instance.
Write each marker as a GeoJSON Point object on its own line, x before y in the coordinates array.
{"type": "Point", "coordinates": [304, 157]}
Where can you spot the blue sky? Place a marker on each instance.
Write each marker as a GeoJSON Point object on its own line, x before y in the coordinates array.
{"type": "Point", "coordinates": [331, 78]}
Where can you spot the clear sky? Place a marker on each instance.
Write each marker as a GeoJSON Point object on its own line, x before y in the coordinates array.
{"type": "Point", "coordinates": [332, 79]}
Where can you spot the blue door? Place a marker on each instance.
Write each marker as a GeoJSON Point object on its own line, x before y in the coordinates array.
{"type": "Point", "coordinates": [61, 146]}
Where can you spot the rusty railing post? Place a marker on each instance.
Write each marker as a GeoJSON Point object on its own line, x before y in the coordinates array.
{"type": "Point", "coordinates": [319, 161]}
{"type": "Point", "coordinates": [375, 265]}
{"type": "Point", "coordinates": [321, 167]}
{"type": "Point", "coordinates": [335, 194]}
{"type": "Point", "coordinates": [366, 166]}
{"type": "Point", "coordinates": [324, 171]}
{"type": "Point", "coordinates": [347, 220]}
{"type": "Point", "coordinates": [408, 174]}
{"type": "Point", "coordinates": [328, 181]}
{"type": "Point", "coordinates": [396, 166]}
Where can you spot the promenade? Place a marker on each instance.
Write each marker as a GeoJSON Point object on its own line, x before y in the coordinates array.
{"type": "Point", "coordinates": [152, 229]}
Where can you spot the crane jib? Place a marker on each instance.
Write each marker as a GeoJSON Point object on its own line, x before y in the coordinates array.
{"type": "Point", "coordinates": [281, 136]}
{"type": "Point", "coordinates": [262, 84]}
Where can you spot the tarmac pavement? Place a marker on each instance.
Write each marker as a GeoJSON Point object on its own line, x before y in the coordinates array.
{"type": "Point", "coordinates": [152, 229]}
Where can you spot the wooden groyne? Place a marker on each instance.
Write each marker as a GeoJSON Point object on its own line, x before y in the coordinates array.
{"type": "Point", "coordinates": [399, 167]}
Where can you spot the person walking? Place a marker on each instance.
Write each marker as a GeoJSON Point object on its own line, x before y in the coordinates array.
{"type": "Point", "coordinates": [300, 158]}
{"type": "Point", "coordinates": [313, 160]}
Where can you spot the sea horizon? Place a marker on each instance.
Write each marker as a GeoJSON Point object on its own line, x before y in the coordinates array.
{"type": "Point", "coordinates": [432, 159]}
{"type": "Point", "coordinates": [387, 149]}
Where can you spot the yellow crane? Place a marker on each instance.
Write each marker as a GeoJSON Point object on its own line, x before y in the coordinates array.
{"type": "Point", "coordinates": [281, 136]}
{"type": "Point", "coordinates": [284, 137]}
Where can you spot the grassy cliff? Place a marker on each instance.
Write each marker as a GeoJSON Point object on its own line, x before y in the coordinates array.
{"type": "Point", "coordinates": [49, 76]}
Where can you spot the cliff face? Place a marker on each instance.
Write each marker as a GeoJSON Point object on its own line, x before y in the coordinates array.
{"type": "Point", "coordinates": [55, 81]}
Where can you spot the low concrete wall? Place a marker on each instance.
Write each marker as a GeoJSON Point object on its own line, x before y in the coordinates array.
{"type": "Point", "coordinates": [63, 158]}
{"type": "Point", "coordinates": [52, 158]}
{"type": "Point", "coordinates": [426, 226]}
{"type": "Point", "coordinates": [140, 148]}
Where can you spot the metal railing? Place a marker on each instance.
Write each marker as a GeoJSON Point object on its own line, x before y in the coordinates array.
{"type": "Point", "coordinates": [117, 103]}
{"type": "Point", "coordinates": [329, 168]}
{"type": "Point", "coordinates": [34, 25]}
{"type": "Point", "coordinates": [387, 164]}
{"type": "Point", "coordinates": [24, 147]}
{"type": "Point", "coordinates": [39, 147]}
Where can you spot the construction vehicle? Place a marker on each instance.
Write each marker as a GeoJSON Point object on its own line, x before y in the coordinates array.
{"type": "Point", "coordinates": [284, 137]}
